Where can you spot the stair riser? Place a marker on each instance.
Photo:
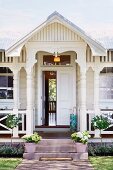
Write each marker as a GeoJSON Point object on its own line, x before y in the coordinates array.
{"type": "Point", "coordinates": [55, 142]}
{"type": "Point", "coordinates": [56, 149]}
{"type": "Point", "coordinates": [74, 156]}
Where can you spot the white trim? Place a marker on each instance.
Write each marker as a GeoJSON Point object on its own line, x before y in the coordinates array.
{"type": "Point", "coordinates": [42, 68]}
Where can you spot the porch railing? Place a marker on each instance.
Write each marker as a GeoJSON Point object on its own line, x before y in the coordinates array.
{"type": "Point", "coordinates": [22, 125]}
{"type": "Point", "coordinates": [105, 113]}
{"type": "Point", "coordinates": [52, 113]}
{"type": "Point", "coordinates": [90, 115]}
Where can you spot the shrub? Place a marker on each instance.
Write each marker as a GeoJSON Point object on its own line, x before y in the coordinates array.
{"type": "Point", "coordinates": [100, 150]}
{"type": "Point", "coordinates": [11, 150]}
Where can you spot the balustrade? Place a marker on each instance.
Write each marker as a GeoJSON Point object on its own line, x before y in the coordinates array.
{"type": "Point", "coordinates": [3, 116]}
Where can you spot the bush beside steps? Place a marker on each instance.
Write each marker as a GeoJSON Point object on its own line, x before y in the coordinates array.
{"type": "Point", "coordinates": [14, 150]}
{"type": "Point", "coordinates": [96, 149]}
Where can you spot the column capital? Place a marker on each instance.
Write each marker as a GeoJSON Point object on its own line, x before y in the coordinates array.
{"type": "Point", "coordinates": [15, 69]}
{"type": "Point", "coordinates": [29, 66]}
{"type": "Point", "coordinates": [29, 71]}
{"type": "Point", "coordinates": [30, 63]}
{"type": "Point", "coordinates": [31, 54]}
{"type": "Point", "coordinates": [98, 69]}
{"type": "Point", "coordinates": [81, 57]}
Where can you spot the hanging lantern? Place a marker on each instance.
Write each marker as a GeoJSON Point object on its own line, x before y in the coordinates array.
{"type": "Point", "coordinates": [56, 57]}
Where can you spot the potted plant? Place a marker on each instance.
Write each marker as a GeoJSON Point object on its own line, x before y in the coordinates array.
{"type": "Point", "coordinates": [81, 139]}
{"type": "Point", "coordinates": [100, 123]}
{"type": "Point", "coordinates": [12, 121]}
{"type": "Point", "coordinates": [31, 141]}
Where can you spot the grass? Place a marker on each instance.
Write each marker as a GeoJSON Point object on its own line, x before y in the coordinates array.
{"type": "Point", "coordinates": [9, 163]}
{"type": "Point", "coordinates": [102, 163]}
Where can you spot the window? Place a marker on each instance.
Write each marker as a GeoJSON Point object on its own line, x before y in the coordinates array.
{"type": "Point", "coordinates": [111, 55]}
{"type": "Point", "coordinates": [48, 60]}
{"type": "Point", "coordinates": [6, 83]}
{"type": "Point", "coordinates": [106, 83]}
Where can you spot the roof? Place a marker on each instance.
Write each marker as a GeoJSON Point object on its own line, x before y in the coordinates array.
{"type": "Point", "coordinates": [7, 40]}
{"type": "Point", "coordinates": [105, 37]}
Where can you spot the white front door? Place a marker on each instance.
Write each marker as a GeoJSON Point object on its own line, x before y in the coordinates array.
{"type": "Point", "coordinates": [65, 96]}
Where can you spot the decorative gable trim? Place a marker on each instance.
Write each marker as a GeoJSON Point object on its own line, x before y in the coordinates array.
{"type": "Point", "coordinates": [97, 48]}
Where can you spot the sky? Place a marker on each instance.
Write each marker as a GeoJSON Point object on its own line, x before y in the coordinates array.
{"type": "Point", "coordinates": [17, 16]}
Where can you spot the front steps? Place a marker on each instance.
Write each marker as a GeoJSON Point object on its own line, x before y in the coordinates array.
{"type": "Point", "coordinates": [55, 135]}
{"type": "Point", "coordinates": [56, 148]}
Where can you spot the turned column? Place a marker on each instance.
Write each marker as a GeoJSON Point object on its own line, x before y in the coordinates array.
{"type": "Point", "coordinates": [83, 100]}
{"type": "Point", "coordinates": [96, 98]}
{"type": "Point", "coordinates": [29, 115]}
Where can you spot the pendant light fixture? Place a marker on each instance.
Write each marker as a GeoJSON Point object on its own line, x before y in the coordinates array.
{"type": "Point", "coordinates": [56, 57]}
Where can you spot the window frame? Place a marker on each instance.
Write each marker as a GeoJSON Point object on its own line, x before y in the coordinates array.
{"type": "Point", "coordinates": [106, 89]}
{"type": "Point", "coordinates": [57, 65]}
{"type": "Point", "coordinates": [7, 88]}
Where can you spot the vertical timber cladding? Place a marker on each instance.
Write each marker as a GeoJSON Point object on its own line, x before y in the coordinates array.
{"type": "Point", "coordinates": [56, 32]}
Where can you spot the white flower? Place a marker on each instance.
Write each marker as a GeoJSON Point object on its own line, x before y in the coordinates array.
{"type": "Point", "coordinates": [89, 136]}
{"type": "Point", "coordinates": [79, 134]}
{"type": "Point", "coordinates": [85, 137]}
{"type": "Point", "coordinates": [95, 123]}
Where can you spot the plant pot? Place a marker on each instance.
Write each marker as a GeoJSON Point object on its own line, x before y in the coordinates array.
{"type": "Point", "coordinates": [30, 147]}
{"type": "Point", "coordinates": [80, 147]}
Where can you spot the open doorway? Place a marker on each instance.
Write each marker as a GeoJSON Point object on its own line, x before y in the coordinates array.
{"type": "Point", "coordinates": [49, 98]}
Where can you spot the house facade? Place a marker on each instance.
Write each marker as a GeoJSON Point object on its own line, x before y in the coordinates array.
{"type": "Point", "coordinates": [55, 70]}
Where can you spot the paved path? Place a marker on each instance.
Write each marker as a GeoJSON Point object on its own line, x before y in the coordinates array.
{"type": "Point", "coordinates": [54, 165]}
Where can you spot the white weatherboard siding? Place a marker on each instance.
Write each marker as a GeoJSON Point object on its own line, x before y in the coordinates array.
{"type": "Point", "coordinates": [55, 32]}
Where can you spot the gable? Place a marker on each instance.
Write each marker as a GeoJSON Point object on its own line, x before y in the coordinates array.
{"type": "Point", "coordinates": [56, 32]}
{"type": "Point", "coordinates": [57, 28]}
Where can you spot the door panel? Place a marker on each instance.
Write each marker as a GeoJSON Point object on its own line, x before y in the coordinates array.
{"type": "Point", "coordinates": [64, 97]}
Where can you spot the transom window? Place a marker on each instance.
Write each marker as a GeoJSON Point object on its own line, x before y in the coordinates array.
{"type": "Point", "coordinates": [106, 83]}
{"type": "Point", "coordinates": [6, 83]}
{"type": "Point", "coordinates": [48, 60]}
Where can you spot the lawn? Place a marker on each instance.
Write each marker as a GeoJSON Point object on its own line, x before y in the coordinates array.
{"type": "Point", "coordinates": [9, 163]}
{"type": "Point", "coordinates": [102, 163]}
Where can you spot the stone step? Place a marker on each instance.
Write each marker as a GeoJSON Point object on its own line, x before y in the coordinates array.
{"type": "Point", "coordinates": [56, 159]}
{"type": "Point", "coordinates": [53, 134]}
{"type": "Point", "coordinates": [56, 148]}
{"type": "Point", "coordinates": [39, 156]}
{"type": "Point", "coordinates": [57, 142]}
